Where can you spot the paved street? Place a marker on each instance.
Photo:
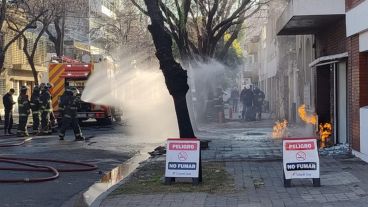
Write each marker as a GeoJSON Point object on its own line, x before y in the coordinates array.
{"type": "Point", "coordinates": [107, 148]}
{"type": "Point", "coordinates": [253, 159]}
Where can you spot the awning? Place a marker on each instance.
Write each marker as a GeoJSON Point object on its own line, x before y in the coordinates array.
{"type": "Point", "coordinates": [21, 75]}
{"type": "Point", "coordinates": [22, 78]}
{"type": "Point", "coordinates": [82, 46]}
{"type": "Point", "coordinates": [327, 59]}
{"type": "Point", "coordinates": [309, 16]}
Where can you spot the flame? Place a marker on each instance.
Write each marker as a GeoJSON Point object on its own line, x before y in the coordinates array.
{"type": "Point", "coordinates": [325, 131]}
{"type": "Point", "coordinates": [309, 119]}
{"type": "Point", "coordinates": [279, 130]}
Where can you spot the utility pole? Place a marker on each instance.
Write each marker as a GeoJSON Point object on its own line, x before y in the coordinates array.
{"type": "Point", "coordinates": [62, 31]}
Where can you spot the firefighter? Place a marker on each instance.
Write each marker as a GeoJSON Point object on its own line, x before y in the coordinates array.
{"type": "Point", "coordinates": [68, 106]}
{"type": "Point", "coordinates": [35, 106]}
{"type": "Point", "coordinates": [24, 109]}
{"type": "Point", "coordinates": [45, 101]}
{"type": "Point", "coordinates": [52, 124]}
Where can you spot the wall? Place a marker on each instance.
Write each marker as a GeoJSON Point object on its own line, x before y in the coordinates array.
{"type": "Point", "coordinates": [357, 86]}
{"type": "Point", "coordinates": [352, 3]}
{"type": "Point", "coordinates": [357, 73]}
{"type": "Point", "coordinates": [331, 40]}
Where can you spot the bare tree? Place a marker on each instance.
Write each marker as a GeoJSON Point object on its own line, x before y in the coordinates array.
{"type": "Point", "coordinates": [127, 31]}
{"type": "Point", "coordinates": [72, 9]}
{"type": "Point", "coordinates": [11, 11]}
{"type": "Point", "coordinates": [198, 26]}
{"type": "Point", "coordinates": [175, 76]}
{"type": "Point", "coordinates": [42, 9]}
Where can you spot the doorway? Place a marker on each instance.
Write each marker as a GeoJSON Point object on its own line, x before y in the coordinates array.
{"type": "Point", "coordinates": [323, 94]}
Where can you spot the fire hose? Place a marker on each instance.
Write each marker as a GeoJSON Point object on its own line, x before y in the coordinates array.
{"type": "Point", "coordinates": [38, 168]}
{"type": "Point", "coordinates": [14, 143]}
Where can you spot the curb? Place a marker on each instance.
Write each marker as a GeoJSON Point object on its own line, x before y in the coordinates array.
{"type": "Point", "coordinates": [96, 193]}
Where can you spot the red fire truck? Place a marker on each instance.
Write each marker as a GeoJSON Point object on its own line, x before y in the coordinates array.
{"type": "Point", "coordinates": [73, 73]}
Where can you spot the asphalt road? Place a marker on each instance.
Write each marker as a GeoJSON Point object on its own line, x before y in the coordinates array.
{"type": "Point", "coordinates": [107, 148]}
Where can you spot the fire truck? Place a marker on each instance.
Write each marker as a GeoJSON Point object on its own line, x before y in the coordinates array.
{"type": "Point", "coordinates": [74, 73]}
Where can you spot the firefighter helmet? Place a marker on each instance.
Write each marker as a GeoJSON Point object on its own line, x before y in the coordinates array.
{"type": "Point", "coordinates": [75, 91]}
{"type": "Point", "coordinates": [42, 86]}
{"type": "Point", "coordinates": [36, 88]}
{"type": "Point", "coordinates": [23, 88]}
{"type": "Point", "coordinates": [49, 85]}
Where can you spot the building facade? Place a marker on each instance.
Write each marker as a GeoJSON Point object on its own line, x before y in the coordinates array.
{"type": "Point", "coordinates": [357, 45]}
{"type": "Point", "coordinates": [339, 68]}
{"type": "Point", "coordinates": [325, 62]}
{"type": "Point", "coordinates": [282, 64]}
{"type": "Point", "coordinates": [17, 71]}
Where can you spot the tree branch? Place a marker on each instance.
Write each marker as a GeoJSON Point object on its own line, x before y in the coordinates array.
{"type": "Point", "coordinates": [19, 32]}
{"type": "Point", "coordinates": [235, 15]}
{"type": "Point", "coordinates": [139, 7]}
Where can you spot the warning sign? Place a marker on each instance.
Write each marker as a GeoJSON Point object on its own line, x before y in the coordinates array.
{"type": "Point", "coordinates": [182, 158]}
{"type": "Point", "coordinates": [300, 158]}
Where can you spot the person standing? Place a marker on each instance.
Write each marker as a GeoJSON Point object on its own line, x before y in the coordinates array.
{"type": "Point", "coordinates": [259, 97]}
{"type": "Point", "coordinates": [35, 106]}
{"type": "Point", "coordinates": [8, 102]}
{"type": "Point", "coordinates": [234, 97]}
{"type": "Point", "coordinates": [68, 106]}
{"type": "Point", "coordinates": [45, 103]}
{"type": "Point", "coordinates": [246, 97]}
{"type": "Point", "coordinates": [24, 109]}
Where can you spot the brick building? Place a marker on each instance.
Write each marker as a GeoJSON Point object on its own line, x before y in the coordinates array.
{"type": "Point", "coordinates": [340, 68]}
{"type": "Point", "coordinates": [325, 20]}
{"type": "Point", "coordinates": [357, 45]}
{"type": "Point", "coordinates": [17, 71]}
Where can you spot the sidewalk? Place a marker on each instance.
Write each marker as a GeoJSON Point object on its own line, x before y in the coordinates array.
{"type": "Point", "coordinates": [253, 162]}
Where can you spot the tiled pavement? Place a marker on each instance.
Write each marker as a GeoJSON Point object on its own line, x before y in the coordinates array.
{"type": "Point", "coordinates": [254, 162]}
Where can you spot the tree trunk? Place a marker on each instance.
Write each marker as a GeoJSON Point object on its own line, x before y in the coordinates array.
{"type": "Point", "coordinates": [34, 72]}
{"type": "Point", "coordinates": [175, 76]}
{"type": "Point", "coordinates": [2, 60]}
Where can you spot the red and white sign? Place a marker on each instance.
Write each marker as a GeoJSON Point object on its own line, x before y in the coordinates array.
{"type": "Point", "coordinates": [183, 146]}
{"type": "Point", "coordinates": [300, 158]}
{"type": "Point", "coordinates": [182, 158]}
{"type": "Point", "coordinates": [300, 145]}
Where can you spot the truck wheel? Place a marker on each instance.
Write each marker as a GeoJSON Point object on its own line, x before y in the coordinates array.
{"type": "Point", "coordinates": [105, 121]}
{"type": "Point", "coordinates": [118, 119]}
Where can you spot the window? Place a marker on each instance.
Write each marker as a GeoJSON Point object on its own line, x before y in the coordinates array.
{"type": "Point", "coordinates": [19, 43]}
{"type": "Point", "coordinates": [2, 87]}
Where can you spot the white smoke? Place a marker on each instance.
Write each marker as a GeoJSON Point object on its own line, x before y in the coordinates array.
{"type": "Point", "coordinates": [140, 92]}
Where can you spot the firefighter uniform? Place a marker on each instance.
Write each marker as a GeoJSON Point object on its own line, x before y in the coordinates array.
{"type": "Point", "coordinates": [35, 106]}
{"type": "Point", "coordinates": [45, 103]}
{"type": "Point", "coordinates": [24, 107]}
{"type": "Point", "coordinates": [68, 106]}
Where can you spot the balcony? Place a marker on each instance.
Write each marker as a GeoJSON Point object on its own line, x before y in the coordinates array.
{"type": "Point", "coordinates": [306, 17]}
{"type": "Point", "coordinates": [103, 8]}
{"type": "Point", "coordinates": [356, 24]}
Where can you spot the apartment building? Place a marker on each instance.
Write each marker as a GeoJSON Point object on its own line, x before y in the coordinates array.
{"type": "Point", "coordinates": [17, 70]}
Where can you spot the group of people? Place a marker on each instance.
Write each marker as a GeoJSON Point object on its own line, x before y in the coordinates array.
{"type": "Point", "coordinates": [40, 105]}
{"type": "Point", "coordinates": [252, 100]}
